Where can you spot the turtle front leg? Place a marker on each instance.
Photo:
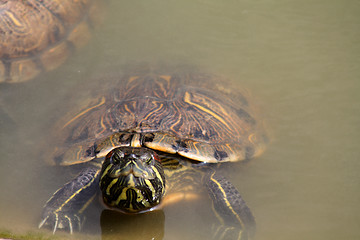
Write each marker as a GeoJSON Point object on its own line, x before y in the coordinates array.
{"type": "Point", "coordinates": [237, 221]}
{"type": "Point", "coordinates": [64, 209]}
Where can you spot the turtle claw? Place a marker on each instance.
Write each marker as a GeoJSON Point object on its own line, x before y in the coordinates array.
{"type": "Point", "coordinates": [43, 222]}
{"type": "Point", "coordinates": [62, 221]}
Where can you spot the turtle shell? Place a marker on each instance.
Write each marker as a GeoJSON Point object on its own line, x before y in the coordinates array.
{"type": "Point", "coordinates": [196, 115]}
{"type": "Point", "coordinates": [39, 35]}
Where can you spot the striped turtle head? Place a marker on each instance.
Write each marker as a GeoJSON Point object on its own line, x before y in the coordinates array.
{"type": "Point", "coordinates": [132, 179]}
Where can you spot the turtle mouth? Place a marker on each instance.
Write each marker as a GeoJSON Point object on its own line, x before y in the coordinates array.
{"type": "Point", "coordinates": [131, 179]}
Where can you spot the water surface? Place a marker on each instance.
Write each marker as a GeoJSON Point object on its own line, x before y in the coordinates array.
{"type": "Point", "coordinates": [300, 59]}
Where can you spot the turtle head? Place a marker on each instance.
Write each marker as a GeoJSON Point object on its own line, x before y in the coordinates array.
{"type": "Point", "coordinates": [132, 179]}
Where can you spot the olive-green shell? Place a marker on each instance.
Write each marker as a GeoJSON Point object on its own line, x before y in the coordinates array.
{"type": "Point", "coordinates": [197, 115]}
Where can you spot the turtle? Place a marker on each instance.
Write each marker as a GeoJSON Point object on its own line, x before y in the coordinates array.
{"type": "Point", "coordinates": [155, 137]}
{"type": "Point", "coordinates": [39, 35]}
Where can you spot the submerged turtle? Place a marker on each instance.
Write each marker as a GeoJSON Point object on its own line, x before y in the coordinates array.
{"type": "Point", "coordinates": [161, 133]}
{"type": "Point", "coordinates": [38, 36]}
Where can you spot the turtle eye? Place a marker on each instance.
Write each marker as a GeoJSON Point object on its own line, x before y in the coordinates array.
{"type": "Point", "coordinates": [150, 158]}
{"type": "Point", "coordinates": [117, 156]}
{"type": "Point", "coordinates": [147, 157]}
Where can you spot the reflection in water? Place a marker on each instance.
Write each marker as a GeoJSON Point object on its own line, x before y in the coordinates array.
{"type": "Point", "coordinates": [147, 226]}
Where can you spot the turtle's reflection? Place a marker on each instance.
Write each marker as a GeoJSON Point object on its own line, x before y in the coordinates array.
{"type": "Point", "coordinates": [116, 225]}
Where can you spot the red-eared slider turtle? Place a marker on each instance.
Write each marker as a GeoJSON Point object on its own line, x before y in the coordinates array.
{"type": "Point", "coordinates": [38, 35]}
{"type": "Point", "coordinates": [143, 140]}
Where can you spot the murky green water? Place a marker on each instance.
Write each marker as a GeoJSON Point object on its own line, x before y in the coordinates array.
{"type": "Point", "coordinates": [299, 58]}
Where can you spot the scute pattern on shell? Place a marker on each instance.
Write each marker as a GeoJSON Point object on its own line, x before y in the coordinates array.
{"type": "Point", "coordinates": [189, 112]}
{"type": "Point", "coordinates": [38, 35]}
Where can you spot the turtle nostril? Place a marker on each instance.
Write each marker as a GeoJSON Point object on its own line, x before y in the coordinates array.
{"type": "Point", "coordinates": [132, 156]}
